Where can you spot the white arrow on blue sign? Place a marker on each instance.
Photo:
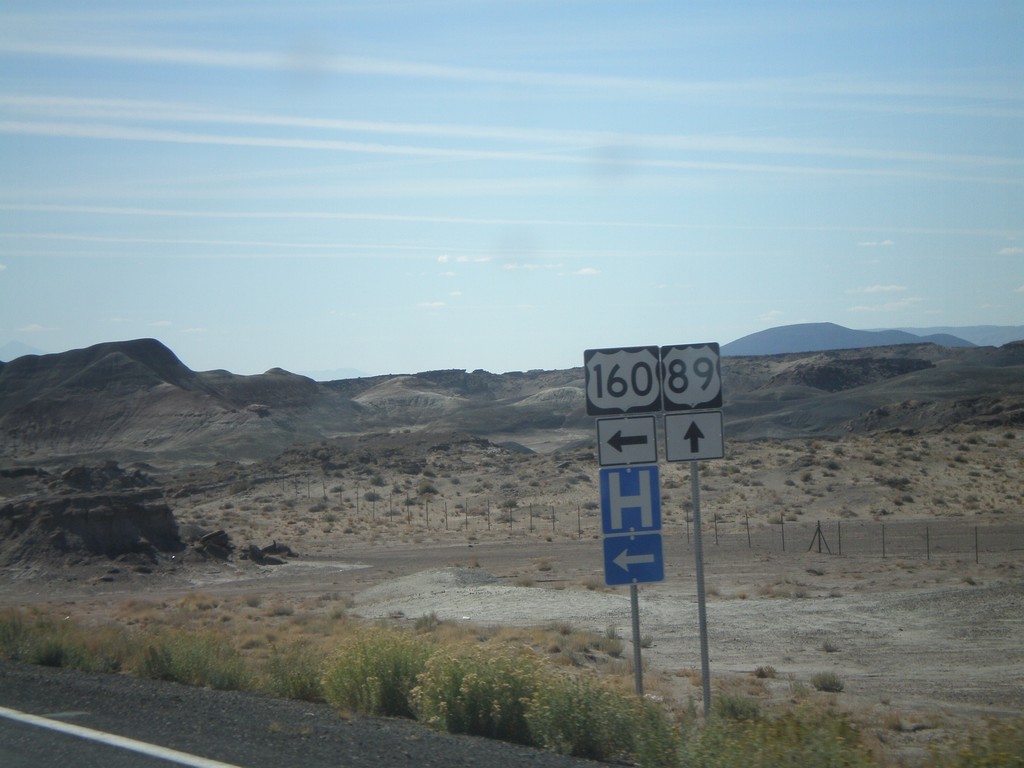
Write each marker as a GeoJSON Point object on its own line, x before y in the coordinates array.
{"type": "Point", "coordinates": [633, 559]}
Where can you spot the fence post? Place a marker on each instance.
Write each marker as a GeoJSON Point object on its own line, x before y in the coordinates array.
{"type": "Point", "coordinates": [579, 523]}
{"type": "Point", "coordinates": [782, 527]}
{"type": "Point", "coordinates": [927, 543]}
{"type": "Point", "coordinates": [716, 529]}
{"type": "Point", "coordinates": [746, 517]}
{"type": "Point", "coordinates": [839, 532]}
{"type": "Point", "coordinates": [975, 545]}
{"type": "Point", "coordinates": [883, 541]}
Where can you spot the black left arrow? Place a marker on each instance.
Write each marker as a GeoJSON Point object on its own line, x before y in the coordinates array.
{"type": "Point", "coordinates": [694, 435]}
{"type": "Point", "coordinates": [616, 441]}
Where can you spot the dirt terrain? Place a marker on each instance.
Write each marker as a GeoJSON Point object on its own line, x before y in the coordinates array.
{"type": "Point", "coordinates": [920, 615]}
{"type": "Point", "coordinates": [866, 519]}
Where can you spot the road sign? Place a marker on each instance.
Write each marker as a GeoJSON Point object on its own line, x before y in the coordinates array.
{"type": "Point", "coordinates": [626, 440]}
{"type": "Point", "coordinates": [694, 436]}
{"type": "Point", "coordinates": [691, 377]}
{"type": "Point", "coordinates": [623, 380]}
{"type": "Point", "coordinates": [630, 500]}
{"type": "Point", "coordinates": [633, 559]}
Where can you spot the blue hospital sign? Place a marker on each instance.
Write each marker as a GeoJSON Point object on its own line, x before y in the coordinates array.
{"type": "Point", "coordinates": [631, 523]}
{"type": "Point", "coordinates": [630, 500]}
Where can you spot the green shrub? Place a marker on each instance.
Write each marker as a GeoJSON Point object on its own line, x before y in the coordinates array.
{"type": "Point", "coordinates": [829, 682]}
{"type": "Point", "coordinates": [481, 692]}
{"type": "Point", "coordinates": [53, 642]}
{"type": "Point", "coordinates": [375, 671]}
{"type": "Point", "coordinates": [799, 738]}
{"type": "Point", "coordinates": [13, 632]}
{"type": "Point", "coordinates": [999, 745]}
{"type": "Point", "coordinates": [735, 707]}
{"type": "Point", "coordinates": [584, 717]}
{"type": "Point", "coordinates": [191, 658]}
{"type": "Point", "coordinates": [295, 672]}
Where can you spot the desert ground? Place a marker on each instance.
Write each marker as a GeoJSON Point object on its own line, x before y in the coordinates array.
{"type": "Point", "coordinates": [920, 615]}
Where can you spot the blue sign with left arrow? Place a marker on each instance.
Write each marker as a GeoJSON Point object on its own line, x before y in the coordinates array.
{"type": "Point", "coordinates": [633, 559]}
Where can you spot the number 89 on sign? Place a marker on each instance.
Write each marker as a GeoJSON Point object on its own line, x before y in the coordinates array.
{"type": "Point", "coordinates": [692, 377]}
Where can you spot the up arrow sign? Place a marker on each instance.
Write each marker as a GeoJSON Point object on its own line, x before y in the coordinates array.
{"type": "Point", "coordinates": [694, 436]}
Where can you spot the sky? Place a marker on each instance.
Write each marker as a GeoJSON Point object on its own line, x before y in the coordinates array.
{"type": "Point", "coordinates": [395, 187]}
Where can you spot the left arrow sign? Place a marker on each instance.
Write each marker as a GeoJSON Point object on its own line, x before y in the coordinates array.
{"type": "Point", "coordinates": [633, 559]}
{"type": "Point", "coordinates": [626, 440]}
{"type": "Point", "coordinates": [617, 440]}
{"type": "Point", "coordinates": [624, 560]}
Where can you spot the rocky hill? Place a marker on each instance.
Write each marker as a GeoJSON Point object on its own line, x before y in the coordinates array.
{"type": "Point", "coordinates": [135, 400]}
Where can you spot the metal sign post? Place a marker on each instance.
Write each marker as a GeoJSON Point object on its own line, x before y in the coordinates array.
{"type": "Point", "coordinates": [638, 669]}
{"type": "Point", "coordinates": [702, 613]}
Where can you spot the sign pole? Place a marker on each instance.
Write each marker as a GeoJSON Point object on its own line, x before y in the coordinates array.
{"type": "Point", "coordinates": [638, 673]}
{"type": "Point", "coordinates": [702, 614]}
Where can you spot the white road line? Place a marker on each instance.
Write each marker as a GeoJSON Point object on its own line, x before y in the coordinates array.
{"type": "Point", "coordinates": [152, 750]}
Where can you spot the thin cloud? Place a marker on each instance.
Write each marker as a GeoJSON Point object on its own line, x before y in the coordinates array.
{"type": "Point", "coordinates": [879, 289]}
{"type": "Point", "coordinates": [771, 316]}
{"type": "Point", "coordinates": [876, 243]}
{"type": "Point", "coordinates": [34, 328]}
{"type": "Point", "coordinates": [161, 324]}
{"type": "Point", "coordinates": [587, 272]}
{"type": "Point", "coordinates": [381, 67]}
{"type": "Point", "coordinates": [1019, 290]}
{"type": "Point", "coordinates": [109, 132]}
{"type": "Point", "coordinates": [80, 109]}
{"type": "Point", "coordinates": [889, 306]}
{"type": "Point", "coordinates": [431, 304]}
{"type": "Point", "coordinates": [1013, 251]}
{"type": "Point", "coordinates": [101, 210]}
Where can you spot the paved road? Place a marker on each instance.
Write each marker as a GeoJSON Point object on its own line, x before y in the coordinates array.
{"type": "Point", "coordinates": [235, 728]}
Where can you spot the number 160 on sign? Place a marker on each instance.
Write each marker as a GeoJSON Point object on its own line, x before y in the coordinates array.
{"type": "Point", "coordinates": [645, 379]}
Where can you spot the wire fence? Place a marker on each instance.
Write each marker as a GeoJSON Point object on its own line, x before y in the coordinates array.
{"type": "Point", "coordinates": [907, 539]}
{"type": "Point", "coordinates": [920, 539]}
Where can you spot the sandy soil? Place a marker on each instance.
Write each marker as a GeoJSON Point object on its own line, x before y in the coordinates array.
{"type": "Point", "coordinates": [926, 645]}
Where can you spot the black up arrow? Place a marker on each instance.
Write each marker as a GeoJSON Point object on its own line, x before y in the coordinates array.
{"type": "Point", "coordinates": [616, 441]}
{"type": "Point", "coordinates": [694, 435]}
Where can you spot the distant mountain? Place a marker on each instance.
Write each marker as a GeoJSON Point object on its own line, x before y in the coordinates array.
{"type": "Point", "coordinates": [819, 337]}
{"type": "Point", "coordinates": [14, 349]}
{"type": "Point", "coordinates": [136, 401]}
{"type": "Point", "coordinates": [982, 335]}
